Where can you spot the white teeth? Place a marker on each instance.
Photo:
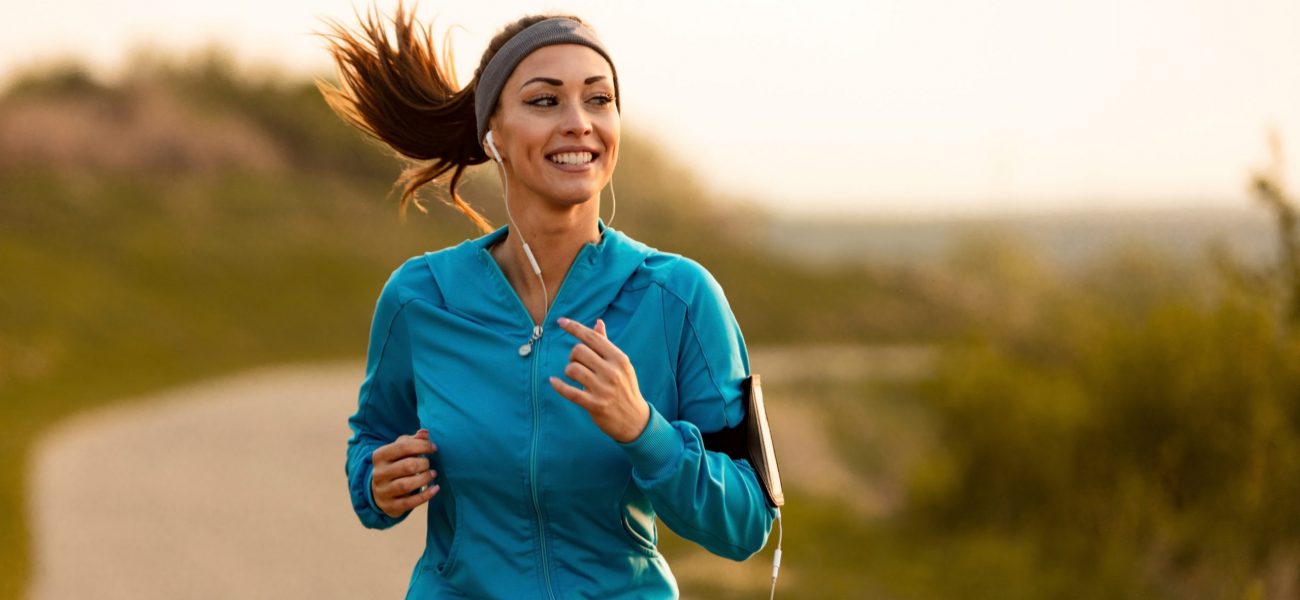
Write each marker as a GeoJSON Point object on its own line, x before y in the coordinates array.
{"type": "Point", "coordinates": [572, 158]}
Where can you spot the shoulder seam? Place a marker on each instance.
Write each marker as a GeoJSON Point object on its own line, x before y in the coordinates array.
{"type": "Point", "coordinates": [663, 321]}
{"type": "Point", "coordinates": [708, 368]}
{"type": "Point", "coordinates": [669, 289]}
{"type": "Point", "coordinates": [695, 336]}
{"type": "Point", "coordinates": [383, 352]}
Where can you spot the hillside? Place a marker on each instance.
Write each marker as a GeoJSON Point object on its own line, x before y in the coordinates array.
{"type": "Point", "coordinates": [1070, 239]}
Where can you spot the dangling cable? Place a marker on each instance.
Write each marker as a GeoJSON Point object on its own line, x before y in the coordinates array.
{"type": "Point", "coordinates": [613, 201]}
{"type": "Point", "coordinates": [526, 349]}
{"type": "Point", "coordinates": [776, 560]}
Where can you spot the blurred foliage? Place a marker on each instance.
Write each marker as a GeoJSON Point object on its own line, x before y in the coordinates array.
{"type": "Point", "coordinates": [1269, 186]}
{"type": "Point", "coordinates": [1138, 428]}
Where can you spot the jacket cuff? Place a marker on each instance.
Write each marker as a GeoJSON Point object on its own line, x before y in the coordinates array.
{"type": "Point", "coordinates": [657, 450]}
{"type": "Point", "coordinates": [370, 492]}
{"type": "Point", "coordinates": [378, 518]}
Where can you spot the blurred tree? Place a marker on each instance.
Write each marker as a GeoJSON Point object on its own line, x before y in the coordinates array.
{"type": "Point", "coordinates": [1139, 429]}
{"type": "Point", "coordinates": [1269, 185]}
{"type": "Point", "coordinates": [1172, 441]}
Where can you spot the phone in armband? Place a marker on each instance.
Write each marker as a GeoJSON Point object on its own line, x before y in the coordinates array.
{"type": "Point", "coordinates": [752, 441]}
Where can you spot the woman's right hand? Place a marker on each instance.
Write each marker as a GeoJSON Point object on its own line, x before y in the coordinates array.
{"type": "Point", "coordinates": [401, 468]}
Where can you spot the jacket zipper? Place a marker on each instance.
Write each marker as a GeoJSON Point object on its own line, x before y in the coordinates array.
{"type": "Point", "coordinates": [532, 482]}
{"type": "Point", "coordinates": [526, 350]}
{"type": "Point", "coordinates": [537, 421]}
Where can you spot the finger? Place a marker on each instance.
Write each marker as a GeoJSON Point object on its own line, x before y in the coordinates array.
{"type": "Point", "coordinates": [410, 502]}
{"type": "Point", "coordinates": [411, 465]}
{"type": "Point", "coordinates": [402, 487]}
{"type": "Point", "coordinates": [588, 336]}
{"type": "Point", "coordinates": [600, 328]}
{"type": "Point", "coordinates": [585, 356]}
{"type": "Point", "coordinates": [385, 475]}
{"type": "Point", "coordinates": [386, 452]}
{"type": "Point", "coordinates": [404, 446]}
{"type": "Point", "coordinates": [581, 374]}
{"type": "Point", "coordinates": [571, 393]}
{"type": "Point", "coordinates": [423, 436]}
{"type": "Point", "coordinates": [396, 449]}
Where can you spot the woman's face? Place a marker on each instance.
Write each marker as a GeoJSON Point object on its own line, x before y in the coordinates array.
{"type": "Point", "coordinates": [557, 126]}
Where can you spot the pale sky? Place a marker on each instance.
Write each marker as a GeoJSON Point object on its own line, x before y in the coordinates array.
{"type": "Point", "coordinates": [895, 107]}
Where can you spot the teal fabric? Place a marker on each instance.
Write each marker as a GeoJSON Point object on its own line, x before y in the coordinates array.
{"type": "Point", "coordinates": [537, 502]}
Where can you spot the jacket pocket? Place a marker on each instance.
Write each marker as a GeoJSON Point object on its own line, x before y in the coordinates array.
{"type": "Point", "coordinates": [638, 520]}
{"type": "Point", "coordinates": [447, 567]}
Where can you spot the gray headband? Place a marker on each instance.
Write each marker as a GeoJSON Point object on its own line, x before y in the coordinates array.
{"type": "Point", "coordinates": [543, 33]}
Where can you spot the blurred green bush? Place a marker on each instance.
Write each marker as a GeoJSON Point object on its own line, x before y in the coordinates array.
{"type": "Point", "coordinates": [1137, 428]}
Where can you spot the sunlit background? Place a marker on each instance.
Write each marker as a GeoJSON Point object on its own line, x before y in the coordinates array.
{"type": "Point", "coordinates": [1023, 279]}
{"type": "Point", "coordinates": [921, 107]}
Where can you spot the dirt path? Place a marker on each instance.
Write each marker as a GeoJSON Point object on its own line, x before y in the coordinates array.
{"type": "Point", "coordinates": [229, 489]}
{"type": "Point", "coordinates": [235, 488]}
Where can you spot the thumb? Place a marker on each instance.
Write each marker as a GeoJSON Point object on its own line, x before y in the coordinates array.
{"type": "Point", "coordinates": [600, 326]}
{"type": "Point", "coordinates": [422, 434]}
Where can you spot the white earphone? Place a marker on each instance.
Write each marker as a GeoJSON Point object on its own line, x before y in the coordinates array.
{"type": "Point", "coordinates": [493, 147]}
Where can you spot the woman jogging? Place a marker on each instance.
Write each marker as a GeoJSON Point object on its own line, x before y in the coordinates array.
{"type": "Point", "coordinates": [543, 387]}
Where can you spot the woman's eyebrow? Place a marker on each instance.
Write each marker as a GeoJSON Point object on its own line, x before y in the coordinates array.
{"type": "Point", "coordinates": [558, 83]}
{"type": "Point", "coordinates": [546, 80]}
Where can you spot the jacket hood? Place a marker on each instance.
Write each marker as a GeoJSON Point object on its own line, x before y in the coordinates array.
{"type": "Point", "coordinates": [473, 285]}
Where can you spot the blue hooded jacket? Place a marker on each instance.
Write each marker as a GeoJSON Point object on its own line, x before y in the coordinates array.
{"type": "Point", "coordinates": [536, 501]}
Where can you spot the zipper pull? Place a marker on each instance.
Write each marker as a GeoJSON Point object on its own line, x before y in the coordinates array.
{"type": "Point", "coordinates": [527, 349]}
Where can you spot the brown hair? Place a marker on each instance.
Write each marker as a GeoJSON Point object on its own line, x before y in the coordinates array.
{"type": "Point", "coordinates": [398, 92]}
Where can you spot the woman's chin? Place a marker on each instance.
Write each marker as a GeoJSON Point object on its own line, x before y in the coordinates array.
{"type": "Point", "coordinates": [574, 196]}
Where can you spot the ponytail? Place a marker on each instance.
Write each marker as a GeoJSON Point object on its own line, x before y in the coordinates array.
{"type": "Point", "coordinates": [398, 92]}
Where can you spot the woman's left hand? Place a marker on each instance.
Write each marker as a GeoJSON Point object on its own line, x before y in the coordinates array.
{"type": "Point", "coordinates": [609, 389]}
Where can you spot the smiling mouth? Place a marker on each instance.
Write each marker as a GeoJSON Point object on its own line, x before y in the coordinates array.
{"type": "Point", "coordinates": [572, 158]}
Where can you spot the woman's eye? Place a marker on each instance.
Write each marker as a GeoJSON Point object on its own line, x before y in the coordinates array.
{"type": "Point", "coordinates": [602, 99]}
{"type": "Point", "coordinates": [543, 101]}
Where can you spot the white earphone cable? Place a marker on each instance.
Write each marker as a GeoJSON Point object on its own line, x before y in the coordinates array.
{"type": "Point", "coordinates": [613, 200]}
{"type": "Point", "coordinates": [537, 269]}
{"type": "Point", "coordinates": [532, 260]}
{"type": "Point", "coordinates": [776, 559]}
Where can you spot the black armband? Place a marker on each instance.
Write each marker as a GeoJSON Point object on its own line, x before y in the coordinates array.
{"type": "Point", "coordinates": [751, 440]}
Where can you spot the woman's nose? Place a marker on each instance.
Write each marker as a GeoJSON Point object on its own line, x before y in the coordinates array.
{"type": "Point", "coordinates": [576, 120]}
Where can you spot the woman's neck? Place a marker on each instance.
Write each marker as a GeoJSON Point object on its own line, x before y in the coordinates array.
{"type": "Point", "coordinates": [555, 238]}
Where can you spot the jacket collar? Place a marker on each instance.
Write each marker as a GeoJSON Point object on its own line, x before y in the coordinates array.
{"type": "Point", "coordinates": [473, 285]}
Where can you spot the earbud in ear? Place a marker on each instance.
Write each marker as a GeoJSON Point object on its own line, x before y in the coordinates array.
{"type": "Point", "coordinates": [493, 147]}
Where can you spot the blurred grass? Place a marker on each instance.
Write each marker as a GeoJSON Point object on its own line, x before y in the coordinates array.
{"type": "Point", "coordinates": [1138, 428]}
{"type": "Point", "coordinates": [882, 429]}
{"type": "Point", "coordinates": [117, 286]}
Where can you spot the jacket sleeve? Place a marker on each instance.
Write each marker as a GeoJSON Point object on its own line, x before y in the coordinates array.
{"type": "Point", "coordinates": [386, 403]}
{"type": "Point", "coordinates": [704, 496]}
